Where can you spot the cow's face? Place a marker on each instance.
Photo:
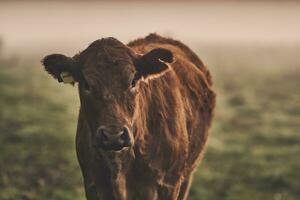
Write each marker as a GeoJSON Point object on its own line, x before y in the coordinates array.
{"type": "Point", "coordinates": [108, 75]}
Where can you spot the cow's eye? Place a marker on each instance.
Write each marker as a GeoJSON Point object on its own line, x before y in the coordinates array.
{"type": "Point", "coordinates": [133, 83]}
{"type": "Point", "coordinates": [133, 86]}
{"type": "Point", "coordinates": [134, 80]}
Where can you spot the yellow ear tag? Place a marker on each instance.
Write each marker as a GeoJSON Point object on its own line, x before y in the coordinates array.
{"type": "Point", "coordinates": [67, 77]}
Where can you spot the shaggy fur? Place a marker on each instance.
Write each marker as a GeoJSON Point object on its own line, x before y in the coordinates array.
{"type": "Point", "coordinates": [168, 116]}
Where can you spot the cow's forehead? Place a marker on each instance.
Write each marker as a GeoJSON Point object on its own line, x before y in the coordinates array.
{"type": "Point", "coordinates": [112, 62]}
{"type": "Point", "coordinates": [107, 63]}
{"type": "Point", "coordinates": [105, 53]}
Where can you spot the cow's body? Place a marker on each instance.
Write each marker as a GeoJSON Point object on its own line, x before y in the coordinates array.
{"type": "Point", "coordinates": [171, 119]}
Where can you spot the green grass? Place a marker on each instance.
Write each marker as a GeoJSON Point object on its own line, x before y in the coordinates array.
{"type": "Point", "coordinates": [253, 150]}
{"type": "Point", "coordinates": [37, 157]}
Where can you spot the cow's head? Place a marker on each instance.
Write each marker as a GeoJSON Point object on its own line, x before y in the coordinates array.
{"type": "Point", "coordinates": [108, 74]}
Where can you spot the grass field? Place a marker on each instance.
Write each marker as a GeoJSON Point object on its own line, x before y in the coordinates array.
{"type": "Point", "coordinates": [253, 150]}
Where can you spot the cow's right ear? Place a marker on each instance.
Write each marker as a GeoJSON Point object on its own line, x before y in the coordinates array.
{"type": "Point", "coordinates": [62, 68]}
{"type": "Point", "coordinates": [153, 62]}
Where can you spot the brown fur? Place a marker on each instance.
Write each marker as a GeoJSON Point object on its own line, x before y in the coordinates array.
{"type": "Point", "coordinates": [169, 118]}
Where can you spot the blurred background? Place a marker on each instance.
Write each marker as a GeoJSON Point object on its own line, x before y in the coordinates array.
{"type": "Point", "coordinates": [251, 47]}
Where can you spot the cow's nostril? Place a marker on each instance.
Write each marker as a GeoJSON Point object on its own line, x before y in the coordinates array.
{"type": "Point", "coordinates": [102, 135]}
{"type": "Point", "coordinates": [108, 138]}
{"type": "Point", "coordinates": [125, 135]}
{"type": "Point", "coordinates": [125, 138]}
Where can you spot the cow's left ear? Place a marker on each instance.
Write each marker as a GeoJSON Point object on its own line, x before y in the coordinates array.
{"type": "Point", "coordinates": [154, 62]}
{"type": "Point", "coordinates": [62, 68]}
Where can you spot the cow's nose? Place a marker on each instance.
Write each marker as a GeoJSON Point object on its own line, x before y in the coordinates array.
{"type": "Point", "coordinates": [112, 139]}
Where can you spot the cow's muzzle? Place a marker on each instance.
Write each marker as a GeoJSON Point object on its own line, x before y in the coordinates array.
{"type": "Point", "coordinates": [112, 138]}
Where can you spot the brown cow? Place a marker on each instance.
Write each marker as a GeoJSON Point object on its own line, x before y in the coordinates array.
{"type": "Point", "coordinates": [146, 108]}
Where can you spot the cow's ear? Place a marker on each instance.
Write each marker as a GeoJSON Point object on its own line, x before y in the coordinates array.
{"type": "Point", "coordinates": [62, 68]}
{"type": "Point", "coordinates": [154, 62]}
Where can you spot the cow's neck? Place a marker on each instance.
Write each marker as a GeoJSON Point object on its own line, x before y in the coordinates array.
{"type": "Point", "coordinates": [118, 163]}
